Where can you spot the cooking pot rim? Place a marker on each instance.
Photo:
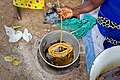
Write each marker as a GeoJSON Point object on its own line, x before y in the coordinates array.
{"type": "Point", "coordinates": [64, 65]}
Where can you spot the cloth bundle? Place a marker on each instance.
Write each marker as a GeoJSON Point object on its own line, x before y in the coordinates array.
{"type": "Point", "coordinates": [78, 27]}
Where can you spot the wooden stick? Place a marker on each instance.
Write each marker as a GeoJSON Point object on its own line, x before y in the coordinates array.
{"type": "Point", "coordinates": [60, 21]}
{"type": "Point", "coordinates": [61, 29]}
{"type": "Point", "coordinates": [58, 3]}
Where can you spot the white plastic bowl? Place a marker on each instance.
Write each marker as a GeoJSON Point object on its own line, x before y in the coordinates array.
{"type": "Point", "coordinates": [108, 59]}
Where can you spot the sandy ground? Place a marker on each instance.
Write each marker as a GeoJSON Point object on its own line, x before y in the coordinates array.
{"type": "Point", "coordinates": [29, 68]}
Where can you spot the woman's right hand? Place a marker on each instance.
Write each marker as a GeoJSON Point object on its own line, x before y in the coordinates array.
{"type": "Point", "coordinates": [65, 12]}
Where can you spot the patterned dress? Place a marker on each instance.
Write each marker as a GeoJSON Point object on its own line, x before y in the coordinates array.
{"type": "Point", "coordinates": [32, 4]}
{"type": "Point", "coordinates": [109, 22]}
{"type": "Point", "coordinates": [105, 34]}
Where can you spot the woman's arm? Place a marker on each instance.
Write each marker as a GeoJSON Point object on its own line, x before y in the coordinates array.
{"type": "Point", "coordinates": [88, 6]}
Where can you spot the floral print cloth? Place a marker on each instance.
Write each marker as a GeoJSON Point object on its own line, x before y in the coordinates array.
{"type": "Point", "coordinates": [32, 4]}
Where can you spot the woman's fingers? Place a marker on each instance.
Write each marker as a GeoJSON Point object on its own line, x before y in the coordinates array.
{"type": "Point", "coordinates": [65, 12]}
{"type": "Point", "coordinates": [61, 15]}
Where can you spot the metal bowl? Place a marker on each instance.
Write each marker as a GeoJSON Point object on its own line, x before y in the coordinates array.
{"type": "Point", "coordinates": [53, 37]}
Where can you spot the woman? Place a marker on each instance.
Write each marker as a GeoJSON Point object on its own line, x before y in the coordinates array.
{"type": "Point", "coordinates": [108, 25]}
{"type": "Point", "coordinates": [108, 18]}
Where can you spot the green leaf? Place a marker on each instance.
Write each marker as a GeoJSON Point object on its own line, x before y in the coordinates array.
{"type": "Point", "coordinates": [15, 62]}
{"type": "Point", "coordinates": [8, 58]}
{"type": "Point", "coordinates": [16, 27]}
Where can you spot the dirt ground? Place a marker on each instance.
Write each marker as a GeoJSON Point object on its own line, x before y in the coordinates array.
{"type": "Point", "coordinates": [29, 68]}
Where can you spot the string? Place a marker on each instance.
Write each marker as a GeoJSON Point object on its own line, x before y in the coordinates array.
{"type": "Point", "coordinates": [60, 21]}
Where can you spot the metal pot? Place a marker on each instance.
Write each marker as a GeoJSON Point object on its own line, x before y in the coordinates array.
{"type": "Point", "coordinates": [107, 60]}
{"type": "Point", "coordinates": [54, 36]}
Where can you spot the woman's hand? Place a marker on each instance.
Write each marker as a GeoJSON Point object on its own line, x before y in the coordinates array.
{"type": "Point", "coordinates": [65, 12]}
